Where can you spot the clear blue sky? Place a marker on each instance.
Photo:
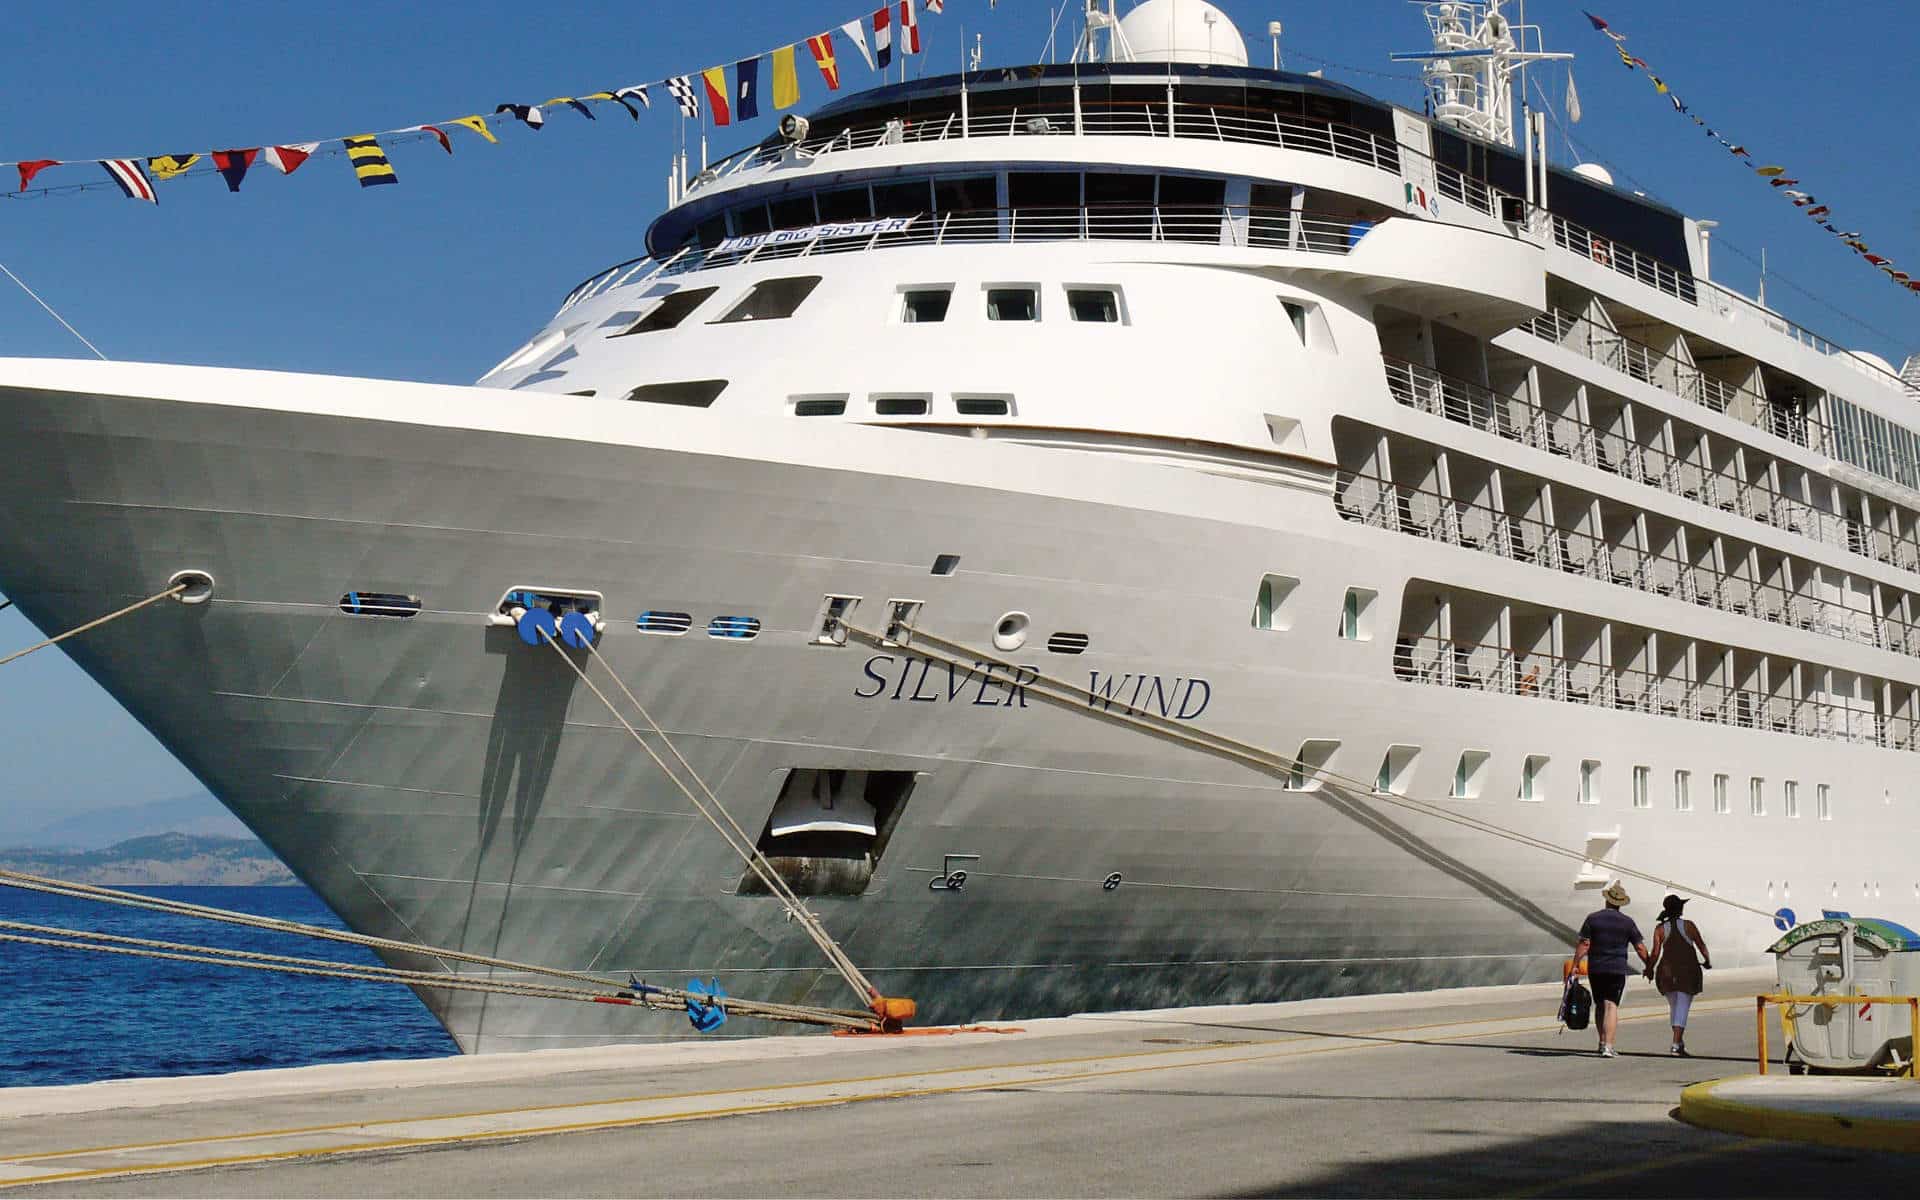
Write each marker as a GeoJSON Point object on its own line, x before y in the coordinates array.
{"type": "Point", "coordinates": [439, 277]}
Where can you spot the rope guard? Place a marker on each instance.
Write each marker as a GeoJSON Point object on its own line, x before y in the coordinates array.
{"type": "Point", "coordinates": [199, 586]}
{"type": "Point", "coordinates": [894, 1012]}
{"type": "Point", "coordinates": [533, 623]}
{"type": "Point", "coordinates": [712, 1014]}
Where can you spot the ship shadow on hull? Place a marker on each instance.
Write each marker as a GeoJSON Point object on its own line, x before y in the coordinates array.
{"type": "Point", "coordinates": [523, 742]}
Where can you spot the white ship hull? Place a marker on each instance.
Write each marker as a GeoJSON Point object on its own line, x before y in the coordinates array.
{"type": "Point", "coordinates": [435, 779]}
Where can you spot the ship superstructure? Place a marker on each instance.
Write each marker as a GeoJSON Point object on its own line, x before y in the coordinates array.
{"type": "Point", "coordinates": [1244, 402]}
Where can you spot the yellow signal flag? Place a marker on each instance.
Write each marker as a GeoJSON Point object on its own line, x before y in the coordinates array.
{"type": "Point", "coordinates": [166, 166]}
{"type": "Point", "coordinates": [786, 83]}
{"type": "Point", "coordinates": [369, 161]}
{"type": "Point", "coordinates": [478, 125]}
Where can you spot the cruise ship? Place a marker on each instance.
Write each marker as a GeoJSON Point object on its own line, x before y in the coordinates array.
{"type": "Point", "coordinates": [1138, 531]}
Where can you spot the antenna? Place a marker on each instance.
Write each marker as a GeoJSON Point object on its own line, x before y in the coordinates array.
{"type": "Point", "coordinates": [1471, 69]}
{"type": "Point", "coordinates": [1273, 31]}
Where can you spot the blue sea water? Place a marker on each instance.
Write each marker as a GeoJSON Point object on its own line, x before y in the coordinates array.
{"type": "Point", "coordinates": [71, 1017]}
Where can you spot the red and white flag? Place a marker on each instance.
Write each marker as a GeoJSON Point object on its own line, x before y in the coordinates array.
{"type": "Point", "coordinates": [287, 159]}
{"type": "Point", "coordinates": [882, 38]}
{"type": "Point", "coordinates": [936, 7]}
{"type": "Point", "coordinates": [909, 29]}
{"type": "Point", "coordinates": [132, 179]}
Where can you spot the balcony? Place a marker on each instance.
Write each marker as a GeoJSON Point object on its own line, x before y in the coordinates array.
{"type": "Point", "coordinates": [1369, 500]}
{"type": "Point", "coordinates": [1482, 667]}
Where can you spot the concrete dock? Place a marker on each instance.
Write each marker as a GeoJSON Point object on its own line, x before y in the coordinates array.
{"type": "Point", "coordinates": [1471, 1092]}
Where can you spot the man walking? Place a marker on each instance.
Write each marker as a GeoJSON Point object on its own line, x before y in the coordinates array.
{"type": "Point", "coordinates": [1604, 938]}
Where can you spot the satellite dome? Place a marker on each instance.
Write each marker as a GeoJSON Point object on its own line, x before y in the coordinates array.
{"type": "Point", "coordinates": [1595, 172]}
{"type": "Point", "coordinates": [1187, 31]}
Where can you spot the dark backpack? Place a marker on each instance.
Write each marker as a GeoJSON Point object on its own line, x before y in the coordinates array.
{"type": "Point", "coordinates": [1576, 1004]}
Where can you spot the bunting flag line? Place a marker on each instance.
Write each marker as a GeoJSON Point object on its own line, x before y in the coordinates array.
{"type": "Point", "coordinates": [29, 169]}
{"type": "Point", "coordinates": [786, 81]}
{"type": "Point", "coordinates": [909, 29]}
{"type": "Point", "coordinates": [680, 87]}
{"type": "Point", "coordinates": [821, 46]}
{"type": "Point", "coordinates": [527, 114]}
{"type": "Point", "coordinates": [233, 164]}
{"type": "Point", "coordinates": [1773, 173]}
{"type": "Point", "coordinates": [715, 80]}
{"type": "Point", "coordinates": [856, 33]}
{"type": "Point", "coordinates": [369, 161]}
{"type": "Point", "coordinates": [730, 100]}
{"type": "Point", "coordinates": [746, 95]}
{"type": "Point", "coordinates": [167, 166]}
{"type": "Point", "coordinates": [478, 124]}
{"type": "Point", "coordinates": [133, 181]}
{"type": "Point", "coordinates": [882, 38]}
{"type": "Point", "coordinates": [287, 159]}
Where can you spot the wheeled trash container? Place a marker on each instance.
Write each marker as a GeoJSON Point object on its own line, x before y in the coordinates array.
{"type": "Point", "coordinates": [1843, 957]}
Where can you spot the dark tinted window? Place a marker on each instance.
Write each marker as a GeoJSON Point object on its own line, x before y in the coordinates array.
{"type": "Point", "coordinates": [711, 232]}
{"type": "Point", "coordinates": [964, 195]}
{"type": "Point", "coordinates": [1120, 206]}
{"type": "Point", "coordinates": [794, 212]}
{"type": "Point", "coordinates": [751, 219]}
{"type": "Point", "coordinates": [693, 393]}
{"type": "Point", "coordinates": [901, 406]}
{"type": "Point", "coordinates": [671, 311]}
{"type": "Point", "coordinates": [1043, 189]}
{"type": "Point", "coordinates": [929, 304]}
{"type": "Point", "coordinates": [901, 199]}
{"type": "Point", "coordinates": [379, 604]}
{"type": "Point", "coordinates": [848, 204]}
{"type": "Point", "coordinates": [771, 299]}
{"type": "Point", "coordinates": [1012, 304]}
{"type": "Point", "coordinates": [980, 406]}
{"type": "Point", "coordinates": [1190, 208]}
{"type": "Point", "coordinates": [1090, 304]}
{"type": "Point", "coordinates": [820, 406]}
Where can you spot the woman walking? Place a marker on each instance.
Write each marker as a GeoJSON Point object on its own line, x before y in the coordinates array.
{"type": "Point", "coordinates": [1679, 956]}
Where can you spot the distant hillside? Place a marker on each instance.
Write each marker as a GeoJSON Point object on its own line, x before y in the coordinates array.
{"type": "Point", "coordinates": [166, 858]}
{"type": "Point", "coordinates": [98, 828]}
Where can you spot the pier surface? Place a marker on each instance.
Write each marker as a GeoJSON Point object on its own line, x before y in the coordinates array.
{"type": "Point", "coordinates": [1471, 1092]}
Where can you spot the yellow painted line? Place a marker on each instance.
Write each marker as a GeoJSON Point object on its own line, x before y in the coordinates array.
{"type": "Point", "coordinates": [1202, 1056]}
{"type": "Point", "coordinates": [1702, 1105]}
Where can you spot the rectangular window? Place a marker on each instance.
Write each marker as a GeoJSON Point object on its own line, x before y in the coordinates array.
{"type": "Point", "coordinates": [1307, 772]}
{"type": "Point", "coordinates": [1533, 771]}
{"type": "Point", "coordinates": [1822, 803]}
{"type": "Point", "coordinates": [1013, 304]}
{"type": "Point", "coordinates": [1469, 775]}
{"type": "Point", "coordinates": [1096, 305]}
{"type": "Point", "coordinates": [1271, 604]}
{"type": "Point", "coordinates": [691, 393]}
{"type": "Point", "coordinates": [1790, 793]}
{"type": "Point", "coordinates": [1356, 615]}
{"type": "Point", "coordinates": [1757, 796]}
{"type": "Point", "coordinates": [1720, 804]}
{"type": "Point", "coordinates": [983, 406]}
{"type": "Point", "coordinates": [1640, 777]}
{"type": "Point", "coordinates": [1590, 781]}
{"type": "Point", "coordinates": [671, 311]}
{"type": "Point", "coordinates": [819, 406]}
{"type": "Point", "coordinates": [923, 306]}
{"type": "Point", "coordinates": [771, 300]}
{"type": "Point", "coordinates": [1683, 791]}
{"type": "Point", "coordinates": [902, 406]}
{"type": "Point", "coordinates": [1297, 313]}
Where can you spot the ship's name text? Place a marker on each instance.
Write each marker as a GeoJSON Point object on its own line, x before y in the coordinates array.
{"type": "Point", "coordinates": [998, 685]}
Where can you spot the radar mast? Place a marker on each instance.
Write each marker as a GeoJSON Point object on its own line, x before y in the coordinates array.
{"type": "Point", "coordinates": [1470, 71]}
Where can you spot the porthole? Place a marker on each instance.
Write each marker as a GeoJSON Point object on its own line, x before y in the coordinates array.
{"type": "Point", "coordinates": [1011, 631]}
{"type": "Point", "coordinates": [946, 564]}
{"type": "Point", "coordinates": [739, 628]}
{"type": "Point", "coordinates": [379, 604]}
{"type": "Point", "coordinates": [672, 624]}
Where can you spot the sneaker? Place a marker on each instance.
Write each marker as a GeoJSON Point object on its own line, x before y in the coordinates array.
{"type": "Point", "coordinates": [1607, 1052]}
{"type": "Point", "coordinates": [1679, 1052]}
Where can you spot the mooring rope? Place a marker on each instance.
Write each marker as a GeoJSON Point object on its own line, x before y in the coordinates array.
{"type": "Point", "coordinates": [602, 991]}
{"type": "Point", "coordinates": [1084, 701]}
{"type": "Point", "coordinates": [729, 829]}
{"type": "Point", "coordinates": [175, 590]}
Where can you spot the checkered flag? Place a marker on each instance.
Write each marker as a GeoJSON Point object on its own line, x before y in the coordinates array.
{"type": "Point", "coordinates": [681, 86]}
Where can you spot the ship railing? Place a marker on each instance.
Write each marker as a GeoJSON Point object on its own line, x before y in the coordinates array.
{"type": "Point", "coordinates": [1240, 225]}
{"type": "Point", "coordinates": [1488, 667]}
{"type": "Point", "coordinates": [1096, 118]}
{"type": "Point", "coordinates": [1428, 513]}
{"type": "Point", "coordinates": [1622, 259]}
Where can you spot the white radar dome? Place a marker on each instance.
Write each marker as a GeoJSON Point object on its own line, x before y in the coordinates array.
{"type": "Point", "coordinates": [1188, 31]}
{"type": "Point", "coordinates": [1595, 172]}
